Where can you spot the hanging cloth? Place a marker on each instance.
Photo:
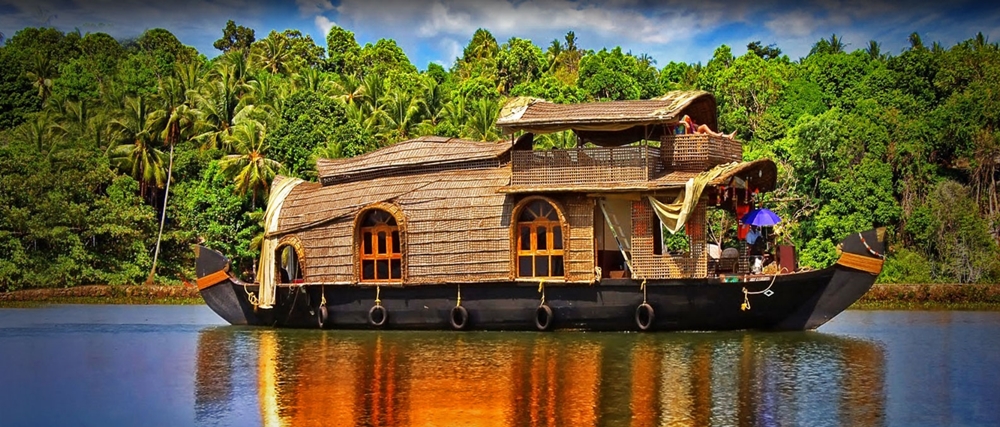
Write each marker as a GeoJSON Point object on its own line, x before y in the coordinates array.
{"type": "Point", "coordinates": [265, 271]}
{"type": "Point", "coordinates": [674, 215]}
{"type": "Point", "coordinates": [743, 229]}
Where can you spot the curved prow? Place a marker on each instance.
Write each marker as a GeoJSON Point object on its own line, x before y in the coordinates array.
{"type": "Point", "coordinates": [857, 268]}
{"type": "Point", "coordinates": [222, 292]}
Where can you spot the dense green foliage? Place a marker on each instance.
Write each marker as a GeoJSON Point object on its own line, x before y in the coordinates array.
{"type": "Point", "coordinates": [93, 129]}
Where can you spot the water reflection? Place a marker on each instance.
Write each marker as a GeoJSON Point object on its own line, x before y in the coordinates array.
{"type": "Point", "coordinates": [305, 378]}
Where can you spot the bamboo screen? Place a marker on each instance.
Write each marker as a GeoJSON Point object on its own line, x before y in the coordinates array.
{"type": "Point", "coordinates": [580, 257]}
{"type": "Point", "coordinates": [648, 265]}
{"type": "Point", "coordinates": [698, 152]}
{"type": "Point", "coordinates": [584, 166]}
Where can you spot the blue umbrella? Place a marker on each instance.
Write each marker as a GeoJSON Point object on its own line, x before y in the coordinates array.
{"type": "Point", "coordinates": [761, 218]}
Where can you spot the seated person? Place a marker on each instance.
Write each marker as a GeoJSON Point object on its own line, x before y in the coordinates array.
{"type": "Point", "coordinates": [690, 127]}
{"type": "Point", "coordinates": [758, 244]}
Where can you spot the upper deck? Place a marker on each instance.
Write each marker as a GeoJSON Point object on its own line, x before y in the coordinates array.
{"type": "Point", "coordinates": [631, 144]}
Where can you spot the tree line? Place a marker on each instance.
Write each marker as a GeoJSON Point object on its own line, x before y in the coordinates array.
{"type": "Point", "coordinates": [117, 154]}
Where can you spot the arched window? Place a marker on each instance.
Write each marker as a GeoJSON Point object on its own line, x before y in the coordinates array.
{"type": "Point", "coordinates": [380, 252]}
{"type": "Point", "coordinates": [540, 250]}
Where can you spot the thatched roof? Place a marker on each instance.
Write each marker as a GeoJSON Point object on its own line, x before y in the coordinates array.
{"type": "Point", "coordinates": [420, 154]}
{"type": "Point", "coordinates": [597, 121]}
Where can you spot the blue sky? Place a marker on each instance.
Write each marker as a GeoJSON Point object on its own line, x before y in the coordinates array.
{"type": "Point", "coordinates": [437, 30]}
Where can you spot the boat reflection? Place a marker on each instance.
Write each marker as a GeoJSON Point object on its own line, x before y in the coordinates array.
{"type": "Point", "coordinates": [306, 378]}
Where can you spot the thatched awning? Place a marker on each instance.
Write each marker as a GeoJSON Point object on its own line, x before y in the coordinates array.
{"type": "Point", "coordinates": [606, 122]}
{"type": "Point", "coordinates": [412, 155]}
{"type": "Point", "coordinates": [761, 174]}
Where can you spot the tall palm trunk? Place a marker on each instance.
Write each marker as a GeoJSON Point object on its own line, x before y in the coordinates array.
{"type": "Point", "coordinates": [163, 213]}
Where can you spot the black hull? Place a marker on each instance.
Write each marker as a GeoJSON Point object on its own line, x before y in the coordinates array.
{"type": "Point", "coordinates": [799, 302]}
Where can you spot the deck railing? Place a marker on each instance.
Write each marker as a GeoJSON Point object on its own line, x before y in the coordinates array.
{"type": "Point", "coordinates": [582, 166]}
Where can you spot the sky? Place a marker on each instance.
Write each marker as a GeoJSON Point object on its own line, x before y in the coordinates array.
{"type": "Point", "coordinates": [437, 30]}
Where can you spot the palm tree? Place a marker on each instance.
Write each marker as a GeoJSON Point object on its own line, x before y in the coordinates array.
{"type": "Point", "coordinates": [41, 72]}
{"type": "Point", "coordinates": [250, 169]}
{"type": "Point", "coordinates": [267, 91]}
{"type": "Point", "coordinates": [556, 140]}
{"type": "Point", "coordinates": [432, 104]}
{"type": "Point", "coordinates": [482, 121]}
{"type": "Point", "coordinates": [349, 89]}
{"type": "Point", "coordinates": [180, 120]}
{"type": "Point", "coordinates": [552, 55]}
{"type": "Point", "coordinates": [137, 129]}
{"type": "Point", "coordinates": [874, 50]}
{"type": "Point", "coordinates": [374, 89]}
{"type": "Point", "coordinates": [456, 112]}
{"type": "Point", "coordinates": [41, 131]}
{"type": "Point", "coordinates": [273, 54]}
{"type": "Point", "coordinates": [221, 103]}
{"type": "Point", "coordinates": [314, 80]}
{"type": "Point", "coordinates": [401, 110]}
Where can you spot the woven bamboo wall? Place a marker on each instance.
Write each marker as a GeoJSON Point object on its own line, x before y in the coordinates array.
{"type": "Point", "coordinates": [648, 265]}
{"type": "Point", "coordinates": [698, 152]}
{"type": "Point", "coordinates": [580, 254]}
{"type": "Point", "coordinates": [456, 227]}
{"type": "Point", "coordinates": [584, 166]}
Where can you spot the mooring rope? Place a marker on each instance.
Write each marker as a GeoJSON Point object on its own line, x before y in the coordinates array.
{"type": "Point", "coordinates": [541, 288]}
{"type": "Point", "coordinates": [251, 298]}
{"type": "Point", "coordinates": [767, 292]}
{"type": "Point", "coordinates": [869, 247]}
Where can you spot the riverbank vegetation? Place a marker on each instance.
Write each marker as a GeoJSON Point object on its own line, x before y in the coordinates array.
{"type": "Point", "coordinates": [117, 155]}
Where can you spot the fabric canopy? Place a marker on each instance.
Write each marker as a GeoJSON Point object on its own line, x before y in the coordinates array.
{"type": "Point", "coordinates": [265, 271]}
{"type": "Point", "coordinates": [674, 215]}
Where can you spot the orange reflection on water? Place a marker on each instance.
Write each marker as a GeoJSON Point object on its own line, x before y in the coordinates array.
{"type": "Point", "coordinates": [307, 378]}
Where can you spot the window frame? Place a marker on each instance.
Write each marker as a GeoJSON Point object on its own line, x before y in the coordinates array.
{"type": "Point", "coordinates": [394, 245]}
{"type": "Point", "coordinates": [550, 251]}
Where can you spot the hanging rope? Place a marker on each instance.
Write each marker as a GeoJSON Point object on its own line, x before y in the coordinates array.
{"type": "Point", "coordinates": [767, 292]}
{"type": "Point", "coordinates": [322, 295]}
{"type": "Point", "coordinates": [459, 302]}
{"type": "Point", "coordinates": [251, 298]}
{"type": "Point", "coordinates": [541, 288]}
{"type": "Point", "coordinates": [643, 287]}
{"type": "Point", "coordinates": [378, 292]}
{"type": "Point", "coordinates": [872, 251]}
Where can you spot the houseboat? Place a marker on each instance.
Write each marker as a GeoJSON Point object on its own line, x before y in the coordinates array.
{"type": "Point", "coordinates": [444, 233]}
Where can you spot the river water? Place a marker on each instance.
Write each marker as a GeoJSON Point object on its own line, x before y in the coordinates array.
{"type": "Point", "coordinates": [106, 365]}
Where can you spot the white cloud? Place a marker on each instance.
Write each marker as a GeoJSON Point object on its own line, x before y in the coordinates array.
{"type": "Point", "coordinates": [663, 23]}
{"type": "Point", "coordinates": [324, 24]}
{"type": "Point", "coordinates": [313, 7]}
{"type": "Point", "coordinates": [797, 23]}
{"type": "Point", "coordinates": [451, 50]}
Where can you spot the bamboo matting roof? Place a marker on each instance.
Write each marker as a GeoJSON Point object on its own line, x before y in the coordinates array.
{"type": "Point", "coordinates": [414, 154]}
{"type": "Point", "coordinates": [539, 116]}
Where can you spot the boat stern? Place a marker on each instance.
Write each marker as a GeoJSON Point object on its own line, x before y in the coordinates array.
{"type": "Point", "coordinates": [858, 266]}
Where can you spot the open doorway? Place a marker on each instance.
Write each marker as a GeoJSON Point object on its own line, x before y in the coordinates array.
{"type": "Point", "coordinates": [289, 267]}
